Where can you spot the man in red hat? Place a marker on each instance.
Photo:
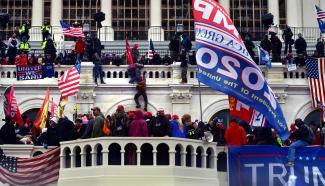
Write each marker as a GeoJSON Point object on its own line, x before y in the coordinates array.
{"type": "Point", "coordinates": [120, 122]}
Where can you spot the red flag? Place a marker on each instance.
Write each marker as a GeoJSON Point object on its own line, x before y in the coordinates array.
{"type": "Point", "coordinates": [42, 115]}
{"type": "Point", "coordinates": [11, 107]}
{"type": "Point", "coordinates": [128, 51]}
{"type": "Point", "coordinates": [246, 113]}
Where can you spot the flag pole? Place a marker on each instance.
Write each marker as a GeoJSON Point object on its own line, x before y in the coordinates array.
{"type": "Point", "coordinates": [200, 98]}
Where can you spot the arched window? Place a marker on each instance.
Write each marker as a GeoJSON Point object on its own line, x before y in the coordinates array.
{"type": "Point", "coordinates": [314, 116]}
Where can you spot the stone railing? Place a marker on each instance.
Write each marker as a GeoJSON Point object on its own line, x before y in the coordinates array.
{"type": "Point", "coordinates": [126, 160]}
{"type": "Point", "coordinates": [139, 151]}
{"type": "Point", "coordinates": [155, 74]}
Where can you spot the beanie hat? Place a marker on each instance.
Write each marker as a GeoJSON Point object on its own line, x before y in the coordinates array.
{"type": "Point", "coordinates": [175, 117]}
{"type": "Point", "coordinates": [120, 107]}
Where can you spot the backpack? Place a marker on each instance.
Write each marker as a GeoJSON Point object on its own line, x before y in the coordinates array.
{"type": "Point", "coordinates": [106, 127]}
{"type": "Point", "coordinates": [119, 128]}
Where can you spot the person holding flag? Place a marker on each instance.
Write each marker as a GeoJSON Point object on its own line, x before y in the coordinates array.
{"type": "Point", "coordinates": [151, 51]}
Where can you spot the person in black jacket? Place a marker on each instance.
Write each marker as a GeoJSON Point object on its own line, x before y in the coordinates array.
{"type": "Point", "coordinates": [174, 47]}
{"type": "Point", "coordinates": [276, 46]}
{"type": "Point", "coordinates": [300, 45]}
{"type": "Point", "coordinates": [287, 37]}
{"type": "Point", "coordinates": [266, 43]}
{"type": "Point", "coordinates": [120, 122]}
{"type": "Point", "coordinates": [7, 132]}
{"type": "Point", "coordinates": [159, 126]}
{"type": "Point", "coordinates": [320, 47]}
{"type": "Point", "coordinates": [303, 136]}
{"type": "Point", "coordinates": [65, 129]}
{"type": "Point", "coordinates": [52, 138]}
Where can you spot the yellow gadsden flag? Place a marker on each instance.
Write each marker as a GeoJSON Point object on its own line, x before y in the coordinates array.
{"type": "Point", "coordinates": [42, 115]}
{"type": "Point", "coordinates": [60, 109]}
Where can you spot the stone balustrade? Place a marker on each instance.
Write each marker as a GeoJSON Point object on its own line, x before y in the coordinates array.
{"type": "Point", "coordinates": [138, 151]}
{"type": "Point", "coordinates": [156, 74]}
{"type": "Point", "coordinates": [140, 160]}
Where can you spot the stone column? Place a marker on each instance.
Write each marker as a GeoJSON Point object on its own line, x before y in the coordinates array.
{"type": "Point", "coordinates": [105, 157]}
{"type": "Point", "coordinates": [172, 158]}
{"type": "Point", "coordinates": [56, 16]}
{"type": "Point", "coordinates": [86, 96]}
{"type": "Point", "coordinates": [156, 33]}
{"type": "Point", "coordinates": [293, 16]}
{"type": "Point", "coordinates": [154, 157]}
{"type": "Point", "coordinates": [226, 5]}
{"type": "Point", "coordinates": [273, 8]}
{"type": "Point", "coordinates": [106, 33]}
{"type": "Point", "coordinates": [37, 20]}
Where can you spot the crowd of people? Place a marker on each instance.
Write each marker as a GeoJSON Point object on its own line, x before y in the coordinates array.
{"type": "Point", "coordinates": [273, 45]}
{"type": "Point", "coordinates": [139, 123]}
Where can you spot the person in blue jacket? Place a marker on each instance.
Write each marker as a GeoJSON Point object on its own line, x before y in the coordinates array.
{"type": "Point", "coordinates": [176, 128]}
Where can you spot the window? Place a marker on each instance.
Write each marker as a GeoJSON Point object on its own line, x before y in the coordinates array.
{"type": "Point", "coordinates": [81, 11]}
{"type": "Point", "coordinates": [131, 17]}
{"type": "Point", "coordinates": [19, 11]}
{"type": "Point", "coordinates": [247, 16]}
{"type": "Point", "coordinates": [177, 12]}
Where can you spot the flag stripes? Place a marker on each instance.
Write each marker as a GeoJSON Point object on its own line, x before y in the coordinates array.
{"type": "Point", "coordinates": [315, 73]}
{"type": "Point", "coordinates": [40, 170]}
{"type": "Point", "coordinates": [69, 82]}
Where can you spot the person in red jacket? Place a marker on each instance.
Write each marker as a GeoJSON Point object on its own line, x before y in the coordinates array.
{"type": "Point", "coordinates": [235, 134]}
{"type": "Point", "coordinates": [138, 127]}
{"type": "Point", "coordinates": [80, 49]}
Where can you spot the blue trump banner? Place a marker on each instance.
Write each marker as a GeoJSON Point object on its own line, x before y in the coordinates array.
{"type": "Point", "coordinates": [225, 65]}
{"type": "Point", "coordinates": [265, 165]}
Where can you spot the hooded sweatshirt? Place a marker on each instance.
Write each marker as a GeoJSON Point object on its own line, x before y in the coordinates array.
{"type": "Point", "coordinates": [175, 130]}
{"type": "Point", "coordinates": [138, 127]}
{"type": "Point", "coordinates": [235, 135]}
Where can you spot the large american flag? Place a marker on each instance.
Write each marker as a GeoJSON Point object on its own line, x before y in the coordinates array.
{"type": "Point", "coordinates": [315, 73]}
{"type": "Point", "coordinates": [69, 81]}
{"type": "Point", "coordinates": [71, 31]}
{"type": "Point", "coordinates": [39, 170]}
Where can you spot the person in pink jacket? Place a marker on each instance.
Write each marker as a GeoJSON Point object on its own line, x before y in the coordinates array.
{"type": "Point", "coordinates": [138, 127]}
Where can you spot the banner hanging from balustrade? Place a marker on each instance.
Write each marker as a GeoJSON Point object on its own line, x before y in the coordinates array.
{"type": "Point", "coordinates": [30, 72]}
{"type": "Point", "coordinates": [225, 65]}
{"type": "Point", "coordinates": [265, 165]}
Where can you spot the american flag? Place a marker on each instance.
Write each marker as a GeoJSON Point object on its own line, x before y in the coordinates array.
{"type": "Point", "coordinates": [315, 68]}
{"type": "Point", "coordinates": [320, 18]}
{"type": "Point", "coordinates": [71, 31]}
{"type": "Point", "coordinates": [69, 81]}
{"type": "Point", "coordinates": [151, 50]}
{"type": "Point", "coordinates": [39, 170]}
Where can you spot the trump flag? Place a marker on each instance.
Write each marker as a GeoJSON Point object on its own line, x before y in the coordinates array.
{"type": "Point", "coordinates": [225, 65]}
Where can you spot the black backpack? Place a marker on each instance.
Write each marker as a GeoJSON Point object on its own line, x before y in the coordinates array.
{"type": "Point", "coordinates": [119, 128]}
